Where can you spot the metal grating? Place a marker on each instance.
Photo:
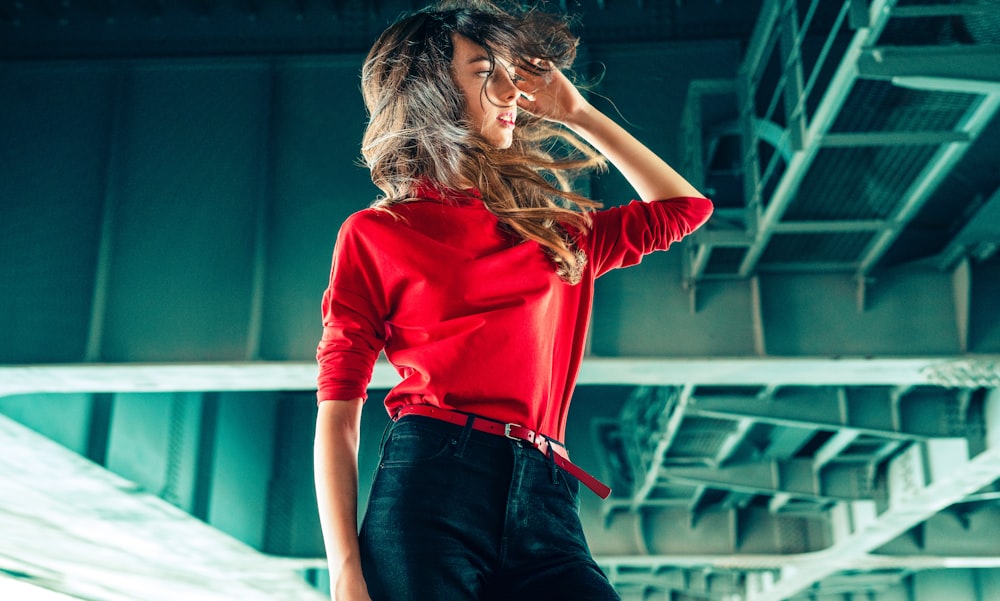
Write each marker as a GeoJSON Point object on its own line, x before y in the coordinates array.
{"type": "Point", "coordinates": [973, 22]}
{"type": "Point", "coordinates": [984, 28]}
{"type": "Point", "coordinates": [699, 438]}
{"type": "Point", "coordinates": [879, 106]}
{"type": "Point", "coordinates": [880, 176]}
{"type": "Point", "coordinates": [816, 248]}
{"type": "Point", "coordinates": [725, 260]}
{"type": "Point", "coordinates": [924, 31]}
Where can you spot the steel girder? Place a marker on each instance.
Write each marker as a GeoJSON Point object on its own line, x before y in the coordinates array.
{"type": "Point", "coordinates": [75, 527]}
{"type": "Point", "coordinates": [780, 30]}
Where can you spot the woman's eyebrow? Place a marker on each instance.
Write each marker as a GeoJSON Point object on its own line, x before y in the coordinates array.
{"type": "Point", "coordinates": [495, 60]}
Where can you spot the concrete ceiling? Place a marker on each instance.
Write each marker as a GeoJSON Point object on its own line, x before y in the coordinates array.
{"type": "Point", "coordinates": [800, 402]}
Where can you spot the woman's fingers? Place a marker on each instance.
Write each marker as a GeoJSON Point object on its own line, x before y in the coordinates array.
{"type": "Point", "coordinates": [545, 91]}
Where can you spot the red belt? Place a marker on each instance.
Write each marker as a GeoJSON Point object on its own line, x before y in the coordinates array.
{"type": "Point", "coordinates": [512, 431]}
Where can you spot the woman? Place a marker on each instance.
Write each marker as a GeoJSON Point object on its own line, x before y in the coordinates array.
{"type": "Point", "coordinates": [475, 274]}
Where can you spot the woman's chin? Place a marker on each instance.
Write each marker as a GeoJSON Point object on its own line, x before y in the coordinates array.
{"type": "Point", "coordinates": [502, 143]}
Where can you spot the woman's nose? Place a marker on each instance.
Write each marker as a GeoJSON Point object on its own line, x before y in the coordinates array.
{"type": "Point", "coordinates": [504, 86]}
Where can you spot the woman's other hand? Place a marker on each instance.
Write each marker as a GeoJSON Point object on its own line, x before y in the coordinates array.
{"type": "Point", "coordinates": [350, 586]}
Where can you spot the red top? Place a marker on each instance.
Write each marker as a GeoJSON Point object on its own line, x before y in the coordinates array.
{"type": "Point", "coordinates": [471, 320]}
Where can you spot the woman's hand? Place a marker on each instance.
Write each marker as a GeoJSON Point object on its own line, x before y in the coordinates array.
{"type": "Point", "coordinates": [349, 586]}
{"type": "Point", "coordinates": [546, 92]}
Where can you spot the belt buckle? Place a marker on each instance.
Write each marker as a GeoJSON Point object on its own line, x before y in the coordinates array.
{"type": "Point", "coordinates": [530, 438]}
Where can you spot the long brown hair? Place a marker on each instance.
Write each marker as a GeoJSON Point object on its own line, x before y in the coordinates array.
{"type": "Point", "coordinates": [418, 131]}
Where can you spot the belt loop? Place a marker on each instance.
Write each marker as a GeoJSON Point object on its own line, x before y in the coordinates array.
{"type": "Point", "coordinates": [385, 433]}
{"type": "Point", "coordinates": [464, 438]}
{"type": "Point", "coordinates": [552, 461]}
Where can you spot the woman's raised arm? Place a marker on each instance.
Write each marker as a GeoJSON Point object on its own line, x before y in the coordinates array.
{"type": "Point", "coordinates": [549, 94]}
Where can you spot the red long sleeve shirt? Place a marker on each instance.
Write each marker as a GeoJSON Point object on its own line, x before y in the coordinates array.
{"type": "Point", "coordinates": [470, 320]}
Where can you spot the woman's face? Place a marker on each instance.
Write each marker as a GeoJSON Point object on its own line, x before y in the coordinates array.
{"type": "Point", "coordinates": [491, 108]}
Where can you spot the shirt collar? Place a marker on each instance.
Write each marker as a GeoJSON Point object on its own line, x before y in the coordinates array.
{"type": "Point", "coordinates": [429, 190]}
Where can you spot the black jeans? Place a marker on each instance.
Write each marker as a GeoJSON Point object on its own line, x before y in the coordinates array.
{"type": "Point", "coordinates": [460, 515]}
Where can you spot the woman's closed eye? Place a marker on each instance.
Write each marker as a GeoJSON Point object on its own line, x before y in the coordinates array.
{"type": "Point", "coordinates": [513, 75]}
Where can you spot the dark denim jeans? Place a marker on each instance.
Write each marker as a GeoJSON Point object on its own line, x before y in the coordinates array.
{"type": "Point", "coordinates": [460, 515]}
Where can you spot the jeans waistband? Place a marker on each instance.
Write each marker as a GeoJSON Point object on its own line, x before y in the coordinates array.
{"type": "Point", "coordinates": [512, 431]}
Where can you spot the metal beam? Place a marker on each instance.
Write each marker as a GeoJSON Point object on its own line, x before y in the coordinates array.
{"type": "Point", "coordinates": [972, 69]}
{"type": "Point", "coordinates": [692, 125]}
{"type": "Point", "coordinates": [947, 84]}
{"type": "Point", "coordinates": [757, 48]}
{"type": "Point", "coordinates": [301, 375]}
{"type": "Point", "coordinates": [733, 441]}
{"type": "Point", "coordinates": [962, 286]}
{"type": "Point", "coordinates": [923, 417]}
{"type": "Point", "coordinates": [923, 480]}
{"type": "Point", "coordinates": [791, 59]}
{"type": "Point", "coordinates": [91, 534]}
{"type": "Point", "coordinates": [795, 477]}
{"type": "Point", "coordinates": [944, 9]}
{"type": "Point", "coordinates": [827, 227]}
{"type": "Point", "coordinates": [871, 582]}
{"type": "Point", "coordinates": [754, 562]}
{"type": "Point", "coordinates": [893, 138]}
{"type": "Point", "coordinates": [785, 442]}
{"type": "Point", "coordinates": [833, 447]}
{"type": "Point", "coordinates": [968, 374]}
{"type": "Point", "coordinates": [978, 63]}
{"type": "Point", "coordinates": [980, 237]}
